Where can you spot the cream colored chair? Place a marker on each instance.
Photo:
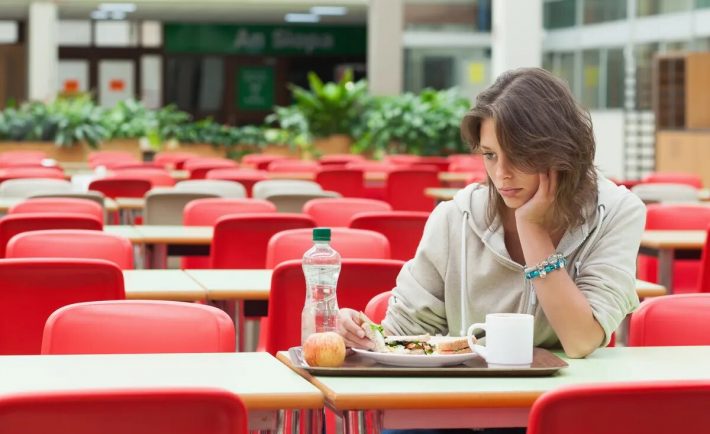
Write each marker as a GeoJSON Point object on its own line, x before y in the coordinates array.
{"type": "Point", "coordinates": [226, 189]}
{"type": "Point", "coordinates": [164, 207]}
{"type": "Point", "coordinates": [262, 189]}
{"type": "Point", "coordinates": [660, 192]}
{"type": "Point", "coordinates": [26, 187]}
{"type": "Point", "coordinates": [293, 202]}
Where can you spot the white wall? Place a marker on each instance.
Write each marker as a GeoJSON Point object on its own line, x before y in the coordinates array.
{"type": "Point", "coordinates": [609, 135]}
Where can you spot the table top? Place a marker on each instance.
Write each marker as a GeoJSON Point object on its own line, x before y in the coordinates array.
{"type": "Point", "coordinates": [162, 285]}
{"type": "Point", "coordinates": [604, 365]}
{"type": "Point", "coordinates": [125, 231]}
{"type": "Point", "coordinates": [234, 284]}
{"type": "Point", "coordinates": [647, 289]}
{"type": "Point", "coordinates": [8, 202]}
{"type": "Point", "coordinates": [673, 239]}
{"type": "Point", "coordinates": [130, 203]}
{"type": "Point", "coordinates": [441, 193]}
{"type": "Point", "coordinates": [258, 378]}
{"type": "Point", "coordinates": [177, 234]}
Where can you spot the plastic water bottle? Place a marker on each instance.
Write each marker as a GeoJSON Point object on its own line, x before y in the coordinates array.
{"type": "Point", "coordinates": [321, 267]}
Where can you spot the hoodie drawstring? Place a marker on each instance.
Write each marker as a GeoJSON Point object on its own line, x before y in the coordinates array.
{"type": "Point", "coordinates": [463, 274]}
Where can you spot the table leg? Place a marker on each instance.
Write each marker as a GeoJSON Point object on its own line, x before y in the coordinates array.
{"type": "Point", "coordinates": [158, 254]}
{"type": "Point", "coordinates": [665, 268]}
{"type": "Point", "coordinates": [313, 420]}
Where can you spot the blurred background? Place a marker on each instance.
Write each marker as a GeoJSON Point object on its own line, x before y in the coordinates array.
{"type": "Point", "coordinates": [641, 67]}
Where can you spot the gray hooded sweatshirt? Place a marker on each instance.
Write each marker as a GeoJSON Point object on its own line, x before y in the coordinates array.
{"type": "Point", "coordinates": [462, 270]}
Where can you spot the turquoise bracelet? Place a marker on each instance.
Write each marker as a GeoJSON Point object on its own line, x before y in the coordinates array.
{"type": "Point", "coordinates": [554, 262]}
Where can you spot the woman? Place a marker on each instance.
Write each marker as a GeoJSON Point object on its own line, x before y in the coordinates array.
{"type": "Point", "coordinates": [543, 197]}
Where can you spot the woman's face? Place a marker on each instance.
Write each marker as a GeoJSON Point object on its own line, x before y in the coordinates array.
{"type": "Point", "coordinates": [514, 186]}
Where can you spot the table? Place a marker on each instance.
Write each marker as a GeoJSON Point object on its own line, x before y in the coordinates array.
{"type": "Point", "coordinates": [266, 386]}
{"type": "Point", "coordinates": [162, 240]}
{"type": "Point", "coordinates": [8, 202]}
{"type": "Point", "coordinates": [469, 402]}
{"type": "Point", "coordinates": [647, 289]}
{"type": "Point", "coordinates": [174, 285]}
{"type": "Point", "coordinates": [669, 245]}
{"type": "Point", "coordinates": [441, 194]}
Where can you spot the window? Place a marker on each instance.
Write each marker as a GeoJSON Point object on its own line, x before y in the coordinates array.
{"type": "Point", "coordinates": [655, 7]}
{"type": "Point", "coordinates": [559, 13]}
{"type": "Point", "coordinates": [643, 54]}
{"type": "Point", "coordinates": [597, 11]}
{"type": "Point", "coordinates": [615, 78]}
{"type": "Point", "coordinates": [590, 79]}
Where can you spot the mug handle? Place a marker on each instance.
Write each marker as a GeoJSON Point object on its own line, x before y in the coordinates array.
{"type": "Point", "coordinates": [478, 349]}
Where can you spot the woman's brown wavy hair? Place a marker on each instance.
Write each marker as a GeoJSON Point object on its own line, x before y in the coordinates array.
{"type": "Point", "coordinates": [539, 126]}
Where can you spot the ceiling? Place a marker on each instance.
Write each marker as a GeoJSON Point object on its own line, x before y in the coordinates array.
{"type": "Point", "coordinates": [266, 11]}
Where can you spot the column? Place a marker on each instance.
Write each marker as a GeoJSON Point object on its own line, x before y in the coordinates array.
{"type": "Point", "coordinates": [517, 34]}
{"type": "Point", "coordinates": [43, 51]}
{"type": "Point", "coordinates": [385, 57]}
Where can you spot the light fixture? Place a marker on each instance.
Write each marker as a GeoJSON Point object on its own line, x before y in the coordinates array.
{"type": "Point", "coordinates": [301, 18]}
{"type": "Point", "coordinates": [118, 7]}
{"type": "Point", "coordinates": [329, 10]}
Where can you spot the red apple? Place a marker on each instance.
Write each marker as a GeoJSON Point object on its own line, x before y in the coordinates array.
{"type": "Point", "coordinates": [325, 349]}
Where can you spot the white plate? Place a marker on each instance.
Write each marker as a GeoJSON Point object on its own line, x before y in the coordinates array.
{"type": "Point", "coordinates": [416, 360]}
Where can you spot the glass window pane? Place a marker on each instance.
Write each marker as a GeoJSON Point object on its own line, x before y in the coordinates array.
{"type": "Point", "coordinates": [74, 33]}
{"type": "Point", "coordinates": [559, 13]}
{"type": "Point", "coordinates": [116, 34]}
{"type": "Point", "coordinates": [211, 84]}
{"type": "Point", "coordinates": [590, 79]}
{"type": "Point", "coordinates": [615, 78]}
{"type": "Point", "coordinates": [9, 32]}
{"type": "Point", "coordinates": [151, 80]}
{"type": "Point", "coordinates": [654, 7]}
{"type": "Point", "coordinates": [702, 4]}
{"type": "Point", "coordinates": [597, 11]}
{"type": "Point", "coordinates": [644, 64]}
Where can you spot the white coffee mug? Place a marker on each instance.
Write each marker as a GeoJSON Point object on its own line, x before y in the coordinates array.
{"type": "Point", "coordinates": [509, 339]}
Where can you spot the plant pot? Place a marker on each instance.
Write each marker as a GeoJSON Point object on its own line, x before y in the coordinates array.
{"type": "Point", "coordinates": [284, 150]}
{"type": "Point", "coordinates": [334, 144]}
{"type": "Point", "coordinates": [78, 152]}
{"type": "Point", "coordinates": [201, 149]}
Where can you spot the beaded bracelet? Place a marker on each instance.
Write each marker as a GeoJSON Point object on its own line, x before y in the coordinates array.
{"type": "Point", "coordinates": [552, 263]}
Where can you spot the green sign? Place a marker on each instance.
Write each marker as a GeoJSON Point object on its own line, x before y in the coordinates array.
{"type": "Point", "coordinates": [255, 88]}
{"type": "Point", "coordinates": [264, 39]}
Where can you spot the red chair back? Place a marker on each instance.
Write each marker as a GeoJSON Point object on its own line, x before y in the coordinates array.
{"type": "Point", "coordinates": [288, 292]}
{"type": "Point", "coordinates": [704, 277]}
{"type": "Point", "coordinates": [13, 224]}
{"type": "Point", "coordinates": [72, 243]}
{"type": "Point", "coordinates": [34, 288]}
{"type": "Point", "coordinates": [403, 229]}
{"type": "Point", "coordinates": [293, 166]}
{"type": "Point", "coordinates": [240, 241]}
{"type": "Point", "coordinates": [206, 212]}
{"type": "Point", "coordinates": [674, 178]}
{"type": "Point", "coordinates": [334, 212]}
{"type": "Point", "coordinates": [350, 243]}
{"type": "Point", "coordinates": [376, 308]}
{"type": "Point", "coordinates": [120, 186]}
{"type": "Point", "coordinates": [63, 205]}
{"type": "Point", "coordinates": [31, 172]}
{"type": "Point", "coordinates": [629, 408]}
{"type": "Point", "coordinates": [199, 171]}
{"type": "Point", "coordinates": [246, 177]}
{"type": "Point", "coordinates": [138, 326]}
{"type": "Point", "coordinates": [339, 159]}
{"type": "Point", "coordinates": [405, 189]}
{"type": "Point", "coordinates": [172, 159]}
{"type": "Point", "coordinates": [671, 320]}
{"type": "Point", "coordinates": [670, 216]}
{"type": "Point", "coordinates": [347, 182]}
{"type": "Point", "coordinates": [157, 177]}
{"type": "Point", "coordinates": [142, 411]}
{"type": "Point", "coordinates": [261, 161]}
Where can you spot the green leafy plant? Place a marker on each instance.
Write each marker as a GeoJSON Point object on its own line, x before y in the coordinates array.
{"type": "Point", "coordinates": [423, 124]}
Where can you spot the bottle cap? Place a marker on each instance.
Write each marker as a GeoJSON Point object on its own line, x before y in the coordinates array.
{"type": "Point", "coordinates": [321, 234]}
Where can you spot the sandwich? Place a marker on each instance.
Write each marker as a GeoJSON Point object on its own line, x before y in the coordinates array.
{"type": "Point", "coordinates": [419, 344]}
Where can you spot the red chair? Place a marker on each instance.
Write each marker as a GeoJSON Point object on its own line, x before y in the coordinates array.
{"type": "Point", "coordinates": [72, 243]}
{"type": "Point", "coordinates": [674, 178]}
{"type": "Point", "coordinates": [347, 182]}
{"type": "Point", "coordinates": [401, 159]}
{"type": "Point", "coordinates": [199, 171]}
{"type": "Point", "coordinates": [628, 408]}
{"type": "Point", "coordinates": [240, 241]}
{"type": "Point", "coordinates": [671, 320]}
{"type": "Point", "coordinates": [108, 155]}
{"type": "Point", "coordinates": [441, 163]}
{"type": "Point", "coordinates": [670, 216]}
{"type": "Point", "coordinates": [405, 188]}
{"type": "Point", "coordinates": [138, 326]}
{"type": "Point", "coordinates": [11, 225]}
{"type": "Point", "coordinates": [34, 288]}
{"type": "Point", "coordinates": [120, 186]}
{"type": "Point", "coordinates": [31, 172]}
{"type": "Point", "coordinates": [704, 278]}
{"type": "Point", "coordinates": [339, 160]}
{"type": "Point", "coordinates": [376, 308]}
{"type": "Point", "coordinates": [403, 229]}
{"type": "Point", "coordinates": [246, 177]}
{"type": "Point", "coordinates": [173, 159]}
{"type": "Point", "coordinates": [63, 205]}
{"type": "Point", "coordinates": [350, 243]}
{"type": "Point", "coordinates": [120, 165]}
{"type": "Point", "coordinates": [293, 166]}
{"type": "Point", "coordinates": [156, 177]}
{"type": "Point", "coordinates": [136, 411]}
{"type": "Point", "coordinates": [193, 163]}
{"type": "Point", "coordinates": [261, 161]}
{"type": "Point", "coordinates": [206, 212]}
{"type": "Point", "coordinates": [471, 163]}
{"type": "Point", "coordinates": [288, 292]}
{"type": "Point", "coordinates": [333, 212]}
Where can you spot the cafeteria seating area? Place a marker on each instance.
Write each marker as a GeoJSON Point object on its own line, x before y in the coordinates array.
{"type": "Point", "coordinates": [164, 163]}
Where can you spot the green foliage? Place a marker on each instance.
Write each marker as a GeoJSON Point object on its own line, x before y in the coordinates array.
{"type": "Point", "coordinates": [423, 124]}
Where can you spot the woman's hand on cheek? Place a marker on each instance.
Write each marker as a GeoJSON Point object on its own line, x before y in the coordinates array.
{"type": "Point", "coordinates": [537, 210]}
